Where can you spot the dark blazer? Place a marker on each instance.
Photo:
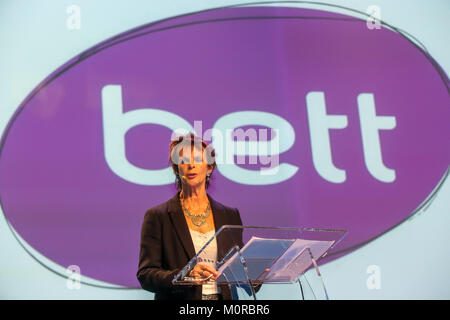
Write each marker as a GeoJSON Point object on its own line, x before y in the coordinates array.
{"type": "Point", "coordinates": [166, 247]}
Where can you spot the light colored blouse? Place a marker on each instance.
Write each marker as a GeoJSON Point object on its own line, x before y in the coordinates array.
{"type": "Point", "coordinates": [208, 256]}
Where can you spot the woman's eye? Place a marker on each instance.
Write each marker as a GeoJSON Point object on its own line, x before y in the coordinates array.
{"type": "Point", "coordinates": [196, 160]}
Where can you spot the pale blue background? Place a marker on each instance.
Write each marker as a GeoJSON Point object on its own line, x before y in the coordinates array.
{"type": "Point", "coordinates": [34, 40]}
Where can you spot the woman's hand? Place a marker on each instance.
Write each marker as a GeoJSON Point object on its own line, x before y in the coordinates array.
{"type": "Point", "coordinates": [203, 271]}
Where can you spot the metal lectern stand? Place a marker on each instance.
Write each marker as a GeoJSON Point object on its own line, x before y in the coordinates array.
{"type": "Point", "coordinates": [270, 255]}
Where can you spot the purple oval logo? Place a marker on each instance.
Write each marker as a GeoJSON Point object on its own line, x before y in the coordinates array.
{"type": "Point", "coordinates": [362, 118]}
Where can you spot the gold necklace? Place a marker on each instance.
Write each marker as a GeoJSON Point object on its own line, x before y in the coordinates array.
{"type": "Point", "coordinates": [197, 219]}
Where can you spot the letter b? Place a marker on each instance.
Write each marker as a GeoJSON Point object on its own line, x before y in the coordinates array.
{"type": "Point", "coordinates": [116, 123]}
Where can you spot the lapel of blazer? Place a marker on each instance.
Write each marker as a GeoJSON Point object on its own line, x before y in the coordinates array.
{"type": "Point", "coordinates": [220, 219]}
{"type": "Point", "coordinates": [180, 225]}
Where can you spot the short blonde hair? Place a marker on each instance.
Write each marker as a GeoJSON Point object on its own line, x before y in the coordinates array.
{"type": "Point", "coordinates": [191, 140]}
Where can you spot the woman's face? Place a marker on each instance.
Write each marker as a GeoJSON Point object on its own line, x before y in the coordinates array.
{"type": "Point", "coordinates": [193, 166]}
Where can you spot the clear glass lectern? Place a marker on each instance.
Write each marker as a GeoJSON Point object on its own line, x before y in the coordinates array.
{"type": "Point", "coordinates": [248, 257]}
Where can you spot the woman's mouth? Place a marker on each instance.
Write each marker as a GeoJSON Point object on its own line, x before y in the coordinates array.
{"type": "Point", "coordinates": [191, 175]}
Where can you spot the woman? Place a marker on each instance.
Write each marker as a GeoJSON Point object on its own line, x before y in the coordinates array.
{"type": "Point", "coordinates": [174, 231]}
